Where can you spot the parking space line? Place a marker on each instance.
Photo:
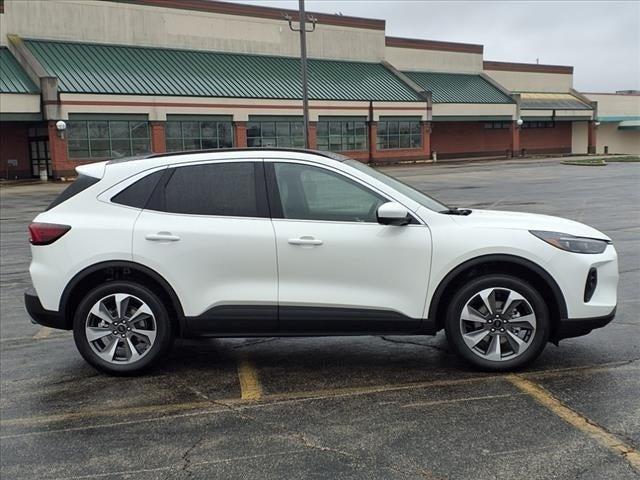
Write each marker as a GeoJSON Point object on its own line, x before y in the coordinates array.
{"type": "Point", "coordinates": [250, 387]}
{"type": "Point", "coordinates": [168, 411]}
{"type": "Point", "coordinates": [44, 332]}
{"type": "Point", "coordinates": [577, 420]}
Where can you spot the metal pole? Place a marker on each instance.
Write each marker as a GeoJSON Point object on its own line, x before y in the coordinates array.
{"type": "Point", "coordinates": [303, 65]}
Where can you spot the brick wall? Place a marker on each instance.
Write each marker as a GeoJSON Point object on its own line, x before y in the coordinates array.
{"type": "Point", "coordinates": [240, 134]}
{"type": "Point", "coordinates": [14, 145]}
{"type": "Point", "coordinates": [462, 139]}
{"type": "Point", "coordinates": [158, 137]}
{"type": "Point", "coordinates": [547, 140]}
{"type": "Point", "coordinates": [60, 163]}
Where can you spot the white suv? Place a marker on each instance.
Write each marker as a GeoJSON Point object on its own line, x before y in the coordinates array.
{"type": "Point", "coordinates": [242, 243]}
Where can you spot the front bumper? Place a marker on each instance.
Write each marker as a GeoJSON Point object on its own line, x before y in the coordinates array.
{"type": "Point", "coordinates": [38, 313]}
{"type": "Point", "coordinates": [576, 327]}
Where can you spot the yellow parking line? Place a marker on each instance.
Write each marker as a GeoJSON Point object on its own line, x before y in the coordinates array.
{"type": "Point", "coordinates": [250, 387]}
{"type": "Point", "coordinates": [251, 390]}
{"type": "Point", "coordinates": [44, 332]}
{"type": "Point", "coordinates": [577, 420]}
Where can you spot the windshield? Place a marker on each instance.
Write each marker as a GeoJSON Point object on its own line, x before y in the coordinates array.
{"type": "Point", "coordinates": [403, 188]}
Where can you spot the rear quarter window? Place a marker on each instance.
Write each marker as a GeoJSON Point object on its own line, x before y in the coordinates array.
{"type": "Point", "coordinates": [81, 183]}
{"type": "Point", "coordinates": [137, 194]}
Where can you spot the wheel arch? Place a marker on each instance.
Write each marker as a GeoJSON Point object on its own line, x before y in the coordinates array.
{"type": "Point", "coordinates": [499, 264]}
{"type": "Point", "coordinates": [103, 272]}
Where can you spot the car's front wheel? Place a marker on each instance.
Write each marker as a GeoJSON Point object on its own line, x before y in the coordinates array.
{"type": "Point", "coordinates": [498, 322]}
{"type": "Point", "coordinates": [122, 328]}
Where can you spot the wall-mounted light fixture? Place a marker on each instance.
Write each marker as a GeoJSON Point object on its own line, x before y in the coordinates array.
{"type": "Point", "coordinates": [61, 126]}
{"type": "Point", "coordinates": [519, 122]}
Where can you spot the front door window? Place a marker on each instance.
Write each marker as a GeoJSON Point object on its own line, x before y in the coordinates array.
{"type": "Point", "coordinates": [312, 193]}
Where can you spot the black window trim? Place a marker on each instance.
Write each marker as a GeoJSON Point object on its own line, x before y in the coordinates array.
{"type": "Point", "coordinates": [156, 201]}
{"type": "Point", "coordinates": [275, 203]}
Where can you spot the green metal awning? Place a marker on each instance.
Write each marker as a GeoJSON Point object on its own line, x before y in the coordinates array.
{"type": "Point", "coordinates": [551, 101]}
{"type": "Point", "coordinates": [116, 69]}
{"type": "Point", "coordinates": [629, 125]}
{"type": "Point", "coordinates": [458, 88]}
{"type": "Point", "coordinates": [13, 78]}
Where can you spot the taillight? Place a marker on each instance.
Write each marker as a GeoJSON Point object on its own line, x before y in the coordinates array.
{"type": "Point", "coordinates": [46, 233]}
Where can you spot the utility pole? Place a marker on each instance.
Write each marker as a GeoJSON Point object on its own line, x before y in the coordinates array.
{"type": "Point", "coordinates": [302, 28]}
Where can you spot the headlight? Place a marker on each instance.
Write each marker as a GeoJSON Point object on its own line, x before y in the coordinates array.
{"type": "Point", "coordinates": [571, 243]}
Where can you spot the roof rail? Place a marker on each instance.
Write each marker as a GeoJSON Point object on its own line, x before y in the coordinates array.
{"type": "Point", "coordinates": [331, 155]}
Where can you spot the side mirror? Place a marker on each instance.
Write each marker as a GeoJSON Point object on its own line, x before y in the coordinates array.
{"type": "Point", "coordinates": [392, 213]}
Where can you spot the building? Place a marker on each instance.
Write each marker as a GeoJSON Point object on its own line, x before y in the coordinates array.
{"type": "Point", "coordinates": [127, 77]}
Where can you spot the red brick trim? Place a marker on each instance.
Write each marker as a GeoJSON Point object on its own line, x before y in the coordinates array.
{"type": "Point", "coordinates": [527, 67]}
{"type": "Point", "coordinates": [158, 137]}
{"type": "Point", "coordinates": [432, 45]}
{"type": "Point", "coordinates": [226, 8]}
{"type": "Point", "coordinates": [312, 133]}
{"type": "Point", "coordinates": [59, 154]}
{"type": "Point", "coordinates": [240, 134]}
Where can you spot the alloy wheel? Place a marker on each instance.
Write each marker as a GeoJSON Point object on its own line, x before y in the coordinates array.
{"type": "Point", "coordinates": [498, 324]}
{"type": "Point", "coordinates": [121, 328]}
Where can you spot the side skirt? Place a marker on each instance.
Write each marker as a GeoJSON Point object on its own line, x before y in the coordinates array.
{"type": "Point", "coordinates": [257, 320]}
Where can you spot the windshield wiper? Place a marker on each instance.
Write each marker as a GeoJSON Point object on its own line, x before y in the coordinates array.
{"type": "Point", "coordinates": [456, 211]}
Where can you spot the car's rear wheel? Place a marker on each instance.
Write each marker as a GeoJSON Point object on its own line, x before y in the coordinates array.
{"type": "Point", "coordinates": [122, 328]}
{"type": "Point", "coordinates": [498, 322]}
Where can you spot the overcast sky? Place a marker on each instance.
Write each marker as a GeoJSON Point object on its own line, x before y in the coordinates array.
{"type": "Point", "coordinates": [601, 39]}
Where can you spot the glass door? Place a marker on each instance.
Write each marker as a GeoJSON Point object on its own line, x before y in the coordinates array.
{"type": "Point", "coordinates": [40, 156]}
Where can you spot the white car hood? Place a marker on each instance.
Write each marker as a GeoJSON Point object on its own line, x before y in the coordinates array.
{"type": "Point", "coordinates": [527, 221]}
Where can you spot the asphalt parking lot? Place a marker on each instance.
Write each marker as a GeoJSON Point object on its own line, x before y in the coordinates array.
{"type": "Point", "coordinates": [337, 407]}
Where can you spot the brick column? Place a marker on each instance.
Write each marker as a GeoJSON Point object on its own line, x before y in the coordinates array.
{"type": "Point", "coordinates": [240, 134]}
{"type": "Point", "coordinates": [591, 137]}
{"type": "Point", "coordinates": [313, 135]}
{"type": "Point", "coordinates": [514, 135]}
{"type": "Point", "coordinates": [60, 164]}
{"type": "Point", "coordinates": [426, 139]}
{"type": "Point", "coordinates": [373, 140]}
{"type": "Point", "coordinates": [158, 137]}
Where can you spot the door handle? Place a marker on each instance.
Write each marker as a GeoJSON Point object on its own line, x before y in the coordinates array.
{"type": "Point", "coordinates": [162, 237]}
{"type": "Point", "coordinates": [305, 241]}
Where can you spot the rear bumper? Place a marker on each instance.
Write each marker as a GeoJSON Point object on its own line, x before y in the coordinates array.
{"type": "Point", "coordinates": [38, 313]}
{"type": "Point", "coordinates": [576, 327]}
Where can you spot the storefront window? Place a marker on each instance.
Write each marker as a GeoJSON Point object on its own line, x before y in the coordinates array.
{"type": "Point", "coordinates": [275, 133]}
{"type": "Point", "coordinates": [198, 134]}
{"type": "Point", "coordinates": [497, 125]}
{"type": "Point", "coordinates": [399, 134]}
{"type": "Point", "coordinates": [103, 139]}
{"type": "Point", "coordinates": [342, 135]}
{"type": "Point", "coordinates": [538, 124]}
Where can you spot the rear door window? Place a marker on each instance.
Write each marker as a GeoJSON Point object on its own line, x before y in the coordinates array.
{"type": "Point", "coordinates": [233, 189]}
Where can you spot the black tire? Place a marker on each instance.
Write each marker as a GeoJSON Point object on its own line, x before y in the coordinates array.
{"type": "Point", "coordinates": [472, 288]}
{"type": "Point", "coordinates": [164, 328]}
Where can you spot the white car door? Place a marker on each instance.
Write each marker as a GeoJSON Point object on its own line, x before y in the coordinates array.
{"type": "Point", "coordinates": [339, 270]}
{"type": "Point", "coordinates": [207, 231]}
